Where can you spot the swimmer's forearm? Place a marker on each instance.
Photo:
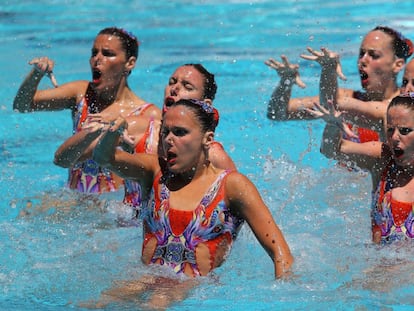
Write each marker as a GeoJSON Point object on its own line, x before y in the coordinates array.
{"type": "Point", "coordinates": [331, 141]}
{"type": "Point", "coordinates": [23, 102]}
{"type": "Point", "coordinates": [283, 259]}
{"type": "Point", "coordinates": [74, 148]}
{"type": "Point", "coordinates": [328, 85]}
{"type": "Point", "coordinates": [277, 108]}
{"type": "Point", "coordinates": [126, 165]}
{"type": "Point", "coordinates": [104, 152]}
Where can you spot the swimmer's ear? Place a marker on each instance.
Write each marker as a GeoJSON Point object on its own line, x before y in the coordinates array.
{"type": "Point", "coordinates": [208, 138]}
{"type": "Point", "coordinates": [130, 64]}
{"type": "Point", "coordinates": [399, 65]}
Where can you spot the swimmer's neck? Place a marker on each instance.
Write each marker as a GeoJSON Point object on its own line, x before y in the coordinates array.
{"type": "Point", "coordinates": [387, 94]}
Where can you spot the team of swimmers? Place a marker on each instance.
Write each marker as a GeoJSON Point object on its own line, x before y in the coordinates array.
{"type": "Point", "coordinates": [185, 188]}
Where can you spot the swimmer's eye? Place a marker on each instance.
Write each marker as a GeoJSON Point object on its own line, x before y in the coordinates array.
{"type": "Point", "coordinates": [108, 53]}
{"type": "Point", "coordinates": [404, 82]}
{"type": "Point", "coordinates": [172, 81]}
{"type": "Point", "coordinates": [371, 53]}
{"type": "Point", "coordinates": [189, 86]}
{"type": "Point", "coordinates": [402, 130]}
{"type": "Point", "coordinates": [179, 132]}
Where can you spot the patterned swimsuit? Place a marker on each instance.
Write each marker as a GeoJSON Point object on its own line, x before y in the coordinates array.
{"type": "Point", "coordinates": [394, 218]}
{"type": "Point", "coordinates": [88, 176]}
{"type": "Point", "coordinates": [210, 223]}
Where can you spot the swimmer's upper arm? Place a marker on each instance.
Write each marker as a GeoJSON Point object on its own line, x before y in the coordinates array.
{"type": "Point", "coordinates": [365, 155]}
{"type": "Point", "coordinates": [244, 199]}
{"type": "Point", "coordinates": [66, 96]}
{"type": "Point", "coordinates": [137, 166]}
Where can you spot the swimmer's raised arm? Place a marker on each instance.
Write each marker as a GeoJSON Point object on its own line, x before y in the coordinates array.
{"type": "Point", "coordinates": [281, 106]}
{"type": "Point", "coordinates": [29, 98]}
{"type": "Point", "coordinates": [330, 70]}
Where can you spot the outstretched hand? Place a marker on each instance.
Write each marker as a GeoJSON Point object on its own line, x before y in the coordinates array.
{"type": "Point", "coordinates": [331, 116]}
{"type": "Point", "coordinates": [286, 70]}
{"type": "Point", "coordinates": [325, 58]}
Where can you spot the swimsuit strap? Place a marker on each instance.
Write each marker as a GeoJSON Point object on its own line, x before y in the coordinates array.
{"type": "Point", "coordinates": [82, 110]}
{"type": "Point", "coordinates": [141, 109]}
{"type": "Point", "coordinates": [147, 139]}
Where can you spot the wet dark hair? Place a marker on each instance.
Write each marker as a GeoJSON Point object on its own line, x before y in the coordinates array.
{"type": "Point", "coordinates": [204, 112]}
{"type": "Point", "coordinates": [128, 40]}
{"type": "Point", "coordinates": [210, 86]}
{"type": "Point", "coordinates": [403, 47]}
{"type": "Point", "coordinates": [405, 99]}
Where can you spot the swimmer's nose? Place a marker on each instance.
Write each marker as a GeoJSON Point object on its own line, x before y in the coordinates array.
{"type": "Point", "coordinates": [362, 61]}
{"type": "Point", "coordinates": [173, 91]}
{"type": "Point", "coordinates": [97, 58]}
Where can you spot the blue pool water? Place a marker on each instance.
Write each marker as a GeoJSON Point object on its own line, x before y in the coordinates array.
{"type": "Point", "coordinates": [54, 259]}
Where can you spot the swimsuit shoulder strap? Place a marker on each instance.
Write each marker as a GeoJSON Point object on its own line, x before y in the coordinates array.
{"type": "Point", "coordinates": [141, 109]}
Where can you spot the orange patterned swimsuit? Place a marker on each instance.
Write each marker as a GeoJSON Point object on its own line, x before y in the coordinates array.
{"type": "Point", "coordinates": [393, 218]}
{"type": "Point", "coordinates": [178, 233]}
{"type": "Point", "coordinates": [88, 176]}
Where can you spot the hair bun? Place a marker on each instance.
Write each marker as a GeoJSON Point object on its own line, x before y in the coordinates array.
{"type": "Point", "coordinates": [216, 116]}
{"type": "Point", "coordinates": [410, 47]}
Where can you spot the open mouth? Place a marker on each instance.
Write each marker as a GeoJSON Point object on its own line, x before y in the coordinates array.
{"type": "Point", "coordinates": [169, 101]}
{"type": "Point", "coordinates": [398, 152]}
{"type": "Point", "coordinates": [96, 76]}
{"type": "Point", "coordinates": [364, 77]}
{"type": "Point", "coordinates": [171, 157]}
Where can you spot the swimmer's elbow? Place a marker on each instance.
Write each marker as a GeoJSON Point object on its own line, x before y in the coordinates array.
{"type": "Point", "coordinates": [273, 116]}
{"type": "Point", "coordinates": [327, 152]}
{"type": "Point", "coordinates": [60, 161]}
{"type": "Point", "coordinates": [19, 107]}
{"type": "Point", "coordinates": [331, 148]}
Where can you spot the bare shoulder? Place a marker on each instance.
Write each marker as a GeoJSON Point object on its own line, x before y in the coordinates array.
{"type": "Point", "coordinates": [238, 184]}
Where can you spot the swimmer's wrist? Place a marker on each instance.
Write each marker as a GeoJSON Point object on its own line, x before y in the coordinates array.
{"type": "Point", "coordinates": [37, 73]}
{"type": "Point", "coordinates": [288, 81]}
